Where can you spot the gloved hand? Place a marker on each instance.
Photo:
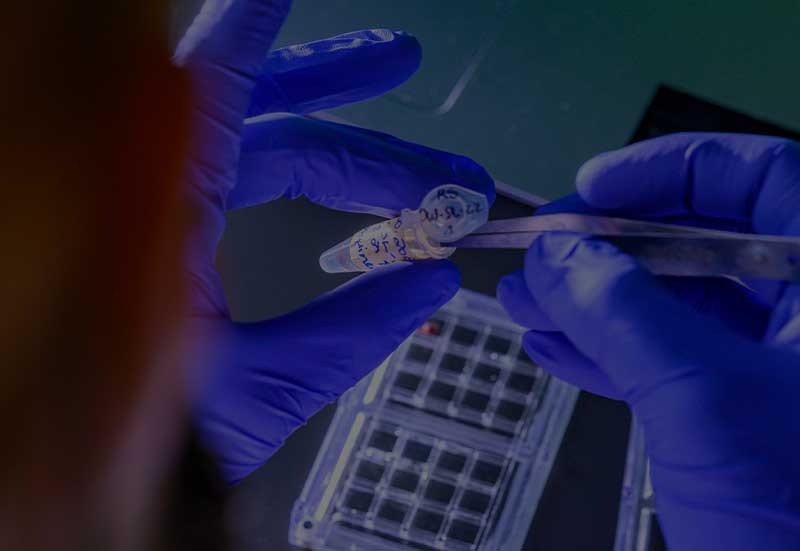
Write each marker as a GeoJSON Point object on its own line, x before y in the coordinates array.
{"type": "Point", "coordinates": [263, 380]}
{"type": "Point", "coordinates": [710, 368]}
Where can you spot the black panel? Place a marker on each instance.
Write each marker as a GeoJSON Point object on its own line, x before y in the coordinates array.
{"type": "Point", "coordinates": [673, 111]}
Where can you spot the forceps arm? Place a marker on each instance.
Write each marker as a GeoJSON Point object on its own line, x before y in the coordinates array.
{"type": "Point", "coordinates": [664, 249]}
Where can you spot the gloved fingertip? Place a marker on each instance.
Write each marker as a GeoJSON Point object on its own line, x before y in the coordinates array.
{"type": "Point", "coordinates": [426, 285]}
{"type": "Point", "coordinates": [510, 286]}
{"type": "Point", "coordinates": [554, 254]}
{"type": "Point", "coordinates": [580, 282]}
{"type": "Point", "coordinates": [411, 46]}
{"type": "Point", "coordinates": [593, 184]}
{"type": "Point", "coordinates": [443, 275]}
{"type": "Point", "coordinates": [552, 248]}
{"type": "Point", "coordinates": [516, 299]}
{"type": "Point", "coordinates": [474, 175]}
{"type": "Point", "coordinates": [511, 291]}
{"type": "Point", "coordinates": [543, 350]}
{"type": "Point", "coordinates": [539, 347]}
{"type": "Point", "coordinates": [591, 170]}
{"type": "Point", "coordinates": [559, 250]}
{"type": "Point", "coordinates": [554, 353]}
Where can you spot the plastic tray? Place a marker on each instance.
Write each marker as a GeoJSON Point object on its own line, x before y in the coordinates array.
{"type": "Point", "coordinates": [447, 445]}
{"type": "Point", "coordinates": [637, 524]}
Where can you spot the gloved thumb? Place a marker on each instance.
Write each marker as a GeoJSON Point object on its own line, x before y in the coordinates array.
{"type": "Point", "coordinates": [275, 374]}
{"type": "Point", "coordinates": [618, 315]}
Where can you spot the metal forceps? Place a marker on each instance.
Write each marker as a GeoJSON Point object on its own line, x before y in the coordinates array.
{"type": "Point", "coordinates": [664, 249]}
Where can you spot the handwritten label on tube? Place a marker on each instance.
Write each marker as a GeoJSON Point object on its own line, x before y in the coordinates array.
{"type": "Point", "coordinates": [380, 245]}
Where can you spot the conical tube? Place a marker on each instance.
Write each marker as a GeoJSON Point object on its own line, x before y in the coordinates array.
{"type": "Point", "coordinates": [446, 214]}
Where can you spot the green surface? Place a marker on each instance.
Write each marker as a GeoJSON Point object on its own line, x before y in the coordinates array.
{"type": "Point", "coordinates": [567, 80]}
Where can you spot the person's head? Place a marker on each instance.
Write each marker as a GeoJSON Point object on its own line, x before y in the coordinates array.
{"type": "Point", "coordinates": [90, 380]}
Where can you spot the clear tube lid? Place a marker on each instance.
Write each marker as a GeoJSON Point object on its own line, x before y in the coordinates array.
{"type": "Point", "coordinates": [450, 212]}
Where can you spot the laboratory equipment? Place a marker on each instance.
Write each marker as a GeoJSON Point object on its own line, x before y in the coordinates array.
{"type": "Point", "coordinates": [637, 526]}
{"type": "Point", "coordinates": [664, 249]}
{"type": "Point", "coordinates": [447, 445]}
{"type": "Point", "coordinates": [446, 213]}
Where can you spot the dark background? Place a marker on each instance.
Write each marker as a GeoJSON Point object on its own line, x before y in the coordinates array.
{"type": "Point", "coordinates": [557, 83]}
{"type": "Point", "coordinates": [564, 81]}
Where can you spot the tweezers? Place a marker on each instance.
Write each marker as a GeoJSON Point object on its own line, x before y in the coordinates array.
{"type": "Point", "coordinates": [664, 249]}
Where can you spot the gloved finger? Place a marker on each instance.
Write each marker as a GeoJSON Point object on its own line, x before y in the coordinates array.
{"type": "Point", "coordinates": [751, 180]}
{"type": "Point", "coordinates": [223, 51]}
{"type": "Point", "coordinates": [766, 291]}
{"type": "Point", "coordinates": [286, 369]}
{"type": "Point", "coordinates": [352, 329]}
{"type": "Point", "coordinates": [619, 315]}
{"type": "Point", "coordinates": [572, 203]}
{"type": "Point", "coordinates": [516, 299]}
{"type": "Point", "coordinates": [344, 167]}
{"type": "Point", "coordinates": [739, 308]}
{"type": "Point", "coordinates": [559, 357]}
{"type": "Point", "coordinates": [784, 325]}
{"type": "Point", "coordinates": [233, 35]}
{"type": "Point", "coordinates": [335, 71]}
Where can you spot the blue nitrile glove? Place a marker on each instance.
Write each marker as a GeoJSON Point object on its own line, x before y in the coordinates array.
{"type": "Point", "coordinates": [711, 368]}
{"type": "Point", "coordinates": [262, 380]}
